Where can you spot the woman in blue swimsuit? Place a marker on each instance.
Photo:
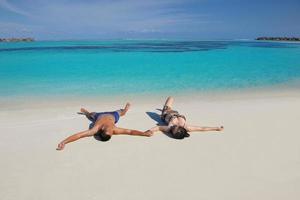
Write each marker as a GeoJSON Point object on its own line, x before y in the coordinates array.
{"type": "Point", "coordinates": [103, 126]}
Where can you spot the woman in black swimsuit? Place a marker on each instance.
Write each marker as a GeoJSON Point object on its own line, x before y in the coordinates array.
{"type": "Point", "coordinates": [176, 123]}
{"type": "Point", "coordinates": [103, 126]}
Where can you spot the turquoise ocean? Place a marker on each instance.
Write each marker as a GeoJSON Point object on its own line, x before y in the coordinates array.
{"type": "Point", "coordinates": [121, 67]}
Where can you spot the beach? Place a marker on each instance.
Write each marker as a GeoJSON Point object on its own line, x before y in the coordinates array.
{"type": "Point", "coordinates": [257, 156]}
{"type": "Point", "coordinates": [231, 66]}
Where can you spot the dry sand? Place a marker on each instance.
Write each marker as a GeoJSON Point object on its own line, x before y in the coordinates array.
{"type": "Point", "coordinates": [257, 156]}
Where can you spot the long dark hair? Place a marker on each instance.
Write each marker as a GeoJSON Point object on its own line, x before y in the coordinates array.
{"type": "Point", "coordinates": [179, 132]}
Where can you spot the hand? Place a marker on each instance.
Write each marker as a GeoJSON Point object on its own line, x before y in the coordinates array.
{"type": "Point", "coordinates": [60, 146]}
{"type": "Point", "coordinates": [221, 128]}
{"type": "Point", "coordinates": [148, 133]}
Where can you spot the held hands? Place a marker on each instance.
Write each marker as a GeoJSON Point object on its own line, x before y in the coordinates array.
{"type": "Point", "coordinates": [148, 133]}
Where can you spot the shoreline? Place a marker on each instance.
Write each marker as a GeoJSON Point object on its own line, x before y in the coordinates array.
{"type": "Point", "coordinates": [37, 111]}
{"type": "Point", "coordinates": [38, 102]}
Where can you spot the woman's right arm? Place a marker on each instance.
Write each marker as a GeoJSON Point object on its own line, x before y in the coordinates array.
{"type": "Point", "coordinates": [158, 128]}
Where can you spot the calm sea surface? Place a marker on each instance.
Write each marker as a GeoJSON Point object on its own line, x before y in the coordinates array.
{"type": "Point", "coordinates": [94, 68]}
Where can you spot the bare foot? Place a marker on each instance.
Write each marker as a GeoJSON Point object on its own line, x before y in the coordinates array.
{"type": "Point", "coordinates": [124, 111]}
{"type": "Point", "coordinates": [221, 128]}
{"type": "Point", "coordinates": [60, 146]}
{"type": "Point", "coordinates": [84, 111]}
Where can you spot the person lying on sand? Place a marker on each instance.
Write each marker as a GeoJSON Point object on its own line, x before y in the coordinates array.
{"type": "Point", "coordinates": [176, 123]}
{"type": "Point", "coordinates": [103, 126]}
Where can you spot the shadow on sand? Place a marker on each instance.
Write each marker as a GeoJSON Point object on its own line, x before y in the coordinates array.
{"type": "Point", "coordinates": [156, 117]}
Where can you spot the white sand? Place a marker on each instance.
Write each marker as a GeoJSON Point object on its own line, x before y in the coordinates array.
{"type": "Point", "coordinates": [256, 157]}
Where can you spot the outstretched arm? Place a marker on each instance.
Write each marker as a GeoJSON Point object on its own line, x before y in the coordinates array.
{"type": "Point", "coordinates": [203, 128]}
{"type": "Point", "coordinates": [123, 131]}
{"type": "Point", "coordinates": [75, 137]}
{"type": "Point", "coordinates": [157, 128]}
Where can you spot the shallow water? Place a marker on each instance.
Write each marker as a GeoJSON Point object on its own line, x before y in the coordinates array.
{"type": "Point", "coordinates": [103, 68]}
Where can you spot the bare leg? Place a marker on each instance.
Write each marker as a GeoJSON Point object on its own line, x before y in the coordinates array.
{"type": "Point", "coordinates": [124, 111]}
{"type": "Point", "coordinates": [169, 102]}
{"type": "Point", "coordinates": [76, 136]}
{"type": "Point", "coordinates": [89, 115]}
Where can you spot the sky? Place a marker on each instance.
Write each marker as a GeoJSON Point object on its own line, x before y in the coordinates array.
{"type": "Point", "coordinates": [149, 19]}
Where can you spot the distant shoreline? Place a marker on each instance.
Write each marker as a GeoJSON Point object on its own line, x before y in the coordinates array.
{"type": "Point", "coordinates": [276, 39]}
{"type": "Point", "coordinates": [17, 40]}
{"type": "Point", "coordinates": [293, 39]}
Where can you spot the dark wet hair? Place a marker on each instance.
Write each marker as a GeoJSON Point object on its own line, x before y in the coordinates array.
{"type": "Point", "coordinates": [179, 132]}
{"type": "Point", "coordinates": [102, 136]}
